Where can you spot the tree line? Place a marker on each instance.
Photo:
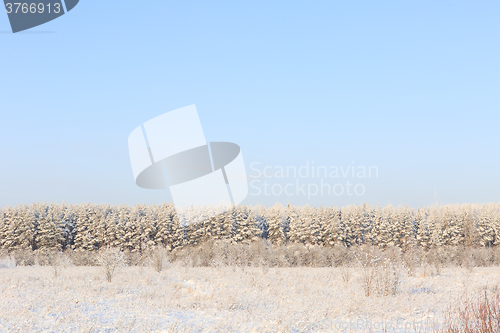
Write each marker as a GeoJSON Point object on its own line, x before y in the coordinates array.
{"type": "Point", "coordinates": [91, 227]}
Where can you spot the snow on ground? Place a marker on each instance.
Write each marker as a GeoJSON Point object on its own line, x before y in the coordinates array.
{"type": "Point", "coordinates": [225, 299]}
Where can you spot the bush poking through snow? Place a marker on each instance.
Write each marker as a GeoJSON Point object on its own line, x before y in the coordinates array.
{"type": "Point", "coordinates": [158, 257]}
{"type": "Point", "coordinates": [58, 260]}
{"type": "Point", "coordinates": [381, 277]}
{"type": "Point", "coordinates": [477, 315]}
{"type": "Point", "coordinates": [345, 273]}
{"type": "Point", "coordinates": [7, 262]}
{"type": "Point", "coordinates": [110, 259]}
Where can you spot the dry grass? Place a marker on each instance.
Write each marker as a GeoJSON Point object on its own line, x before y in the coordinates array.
{"type": "Point", "coordinates": [474, 314]}
{"type": "Point", "coordinates": [223, 287]}
{"type": "Point", "coordinates": [181, 298]}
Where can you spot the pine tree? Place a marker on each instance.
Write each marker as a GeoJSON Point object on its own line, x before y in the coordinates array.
{"type": "Point", "coordinates": [276, 234]}
{"type": "Point", "coordinates": [423, 236]}
{"type": "Point", "coordinates": [485, 227]}
{"type": "Point", "coordinates": [296, 224]}
{"type": "Point", "coordinates": [451, 229]}
{"type": "Point", "coordinates": [8, 229]}
{"type": "Point", "coordinates": [407, 231]}
{"type": "Point", "coordinates": [50, 234]}
{"type": "Point", "coordinates": [386, 227]}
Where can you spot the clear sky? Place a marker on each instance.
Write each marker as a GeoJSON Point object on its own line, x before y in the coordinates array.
{"type": "Point", "coordinates": [411, 87]}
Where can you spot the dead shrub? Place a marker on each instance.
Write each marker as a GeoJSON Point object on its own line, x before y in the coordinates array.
{"type": "Point", "coordinates": [111, 259]}
{"type": "Point", "coordinates": [158, 257]}
{"type": "Point", "coordinates": [474, 315]}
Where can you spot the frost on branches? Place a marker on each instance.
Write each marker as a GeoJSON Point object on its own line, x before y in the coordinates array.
{"type": "Point", "coordinates": [134, 228]}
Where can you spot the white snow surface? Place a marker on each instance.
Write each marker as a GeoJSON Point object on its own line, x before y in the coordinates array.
{"type": "Point", "coordinates": [225, 299]}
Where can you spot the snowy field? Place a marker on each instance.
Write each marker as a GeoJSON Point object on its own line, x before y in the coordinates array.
{"type": "Point", "coordinates": [226, 299]}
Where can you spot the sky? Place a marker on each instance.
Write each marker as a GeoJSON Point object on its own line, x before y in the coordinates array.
{"type": "Point", "coordinates": [408, 88]}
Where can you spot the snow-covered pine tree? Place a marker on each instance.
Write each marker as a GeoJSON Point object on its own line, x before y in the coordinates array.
{"type": "Point", "coordinates": [133, 229]}
{"type": "Point", "coordinates": [82, 236]}
{"type": "Point", "coordinates": [258, 215]}
{"type": "Point", "coordinates": [238, 224]}
{"type": "Point", "coordinates": [434, 226]}
{"type": "Point", "coordinates": [451, 228]}
{"type": "Point", "coordinates": [227, 226]}
{"type": "Point", "coordinates": [296, 224]}
{"type": "Point", "coordinates": [408, 229]}
{"type": "Point", "coordinates": [367, 224]}
{"type": "Point", "coordinates": [324, 227]}
{"type": "Point", "coordinates": [24, 236]}
{"type": "Point", "coordinates": [30, 230]}
{"type": "Point", "coordinates": [121, 219]}
{"type": "Point", "coordinates": [276, 234]}
{"type": "Point", "coordinates": [496, 222]}
{"type": "Point", "coordinates": [377, 221]}
{"type": "Point", "coordinates": [68, 225]}
{"type": "Point", "coordinates": [97, 226]}
{"type": "Point", "coordinates": [8, 229]}
{"type": "Point", "coordinates": [313, 227]}
{"type": "Point", "coordinates": [345, 226]}
{"type": "Point", "coordinates": [111, 228]}
{"type": "Point", "coordinates": [397, 227]}
{"type": "Point", "coordinates": [485, 229]}
{"type": "Point", "coordinates": [423, 237]}
{"type": "Point", "coordinates": [249, 230]}
{"type": "Point", "coordinates": [180, 236]}
{"type": "Point", "coordinates": [357, 227]}
{"type": "Point", "coordinates": [164, 235]}
{"type": "Point", "coordinates": [469, 229]}
{"type": "Point", "coordinates": [50, 234]}
{"type": "Point", "coordinates": [150, 227]}
{"type": "Point", "coordinates": [386, 231]}
{"type": "Point", "coordinates": [336, 236]}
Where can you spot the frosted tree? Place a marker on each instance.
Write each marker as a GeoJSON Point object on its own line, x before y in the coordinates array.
{"type": "Point", "coordinates": [345, 226]}
{"type": "Point", "coordinates": [29, 228]}
{"type": "Point", "coordinates": [423, 237]}
{"type": "Point", "coordinates": [82, 236]}
{"type": "Point", "coordinates": [111, 231]}
{"type": "Point", "coordinates": [451, 228]}
{"type": "Point", "coordinates": [237, 218]}
{"type": "Point", "coordinates": [133, 228]}
{"type": "Point", "coordinates": [387, 229]}
{"type": "Point", "coordinates": [258, 218]}
{"type": "Point", "coordinates": [68, 224]}
{"type": "Point", "coordinates": [180, 236]}
{"type": "Point", "coordinates": [377, 222]}
{"type": "Point", "coordinates": [8, 237]}
{"type": "Point", "coordinates": [485, 229]}
{"type": "Point", "coordinates": [165, 233]}
{"type": "Point", "coordinates": [121, 220]}
{"type": "Point", "coordinates": [227, 227]}
{"type": "Point", "coordinates": [356, 223]}
{"type": "Point", "coordinates": [325, 227]}
{"type": "Point", "coordinates": [434, 227]}
{"type": "Point", "coordinates": [24, 228]}
{"type": "Point", "coordinates": [276, 233]}
{"type": "Point", "coordinates": [406, 229]}
{"type": "Point", "coordinates": [336, 235]}
{"type": "Point", "coordinates": [313, 227]}
{"type": "Point", "coordinates": [50, 234]}
{"type": "Point", "coordinates": [248, 230]}
{"type": "Point", "coordinates": [496, 223]}
{"type": "Point", "coordinates": [296, 225]}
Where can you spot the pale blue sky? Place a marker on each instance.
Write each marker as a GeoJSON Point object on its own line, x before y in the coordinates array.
{"type": "Point", "coordinates": [412, 87]}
